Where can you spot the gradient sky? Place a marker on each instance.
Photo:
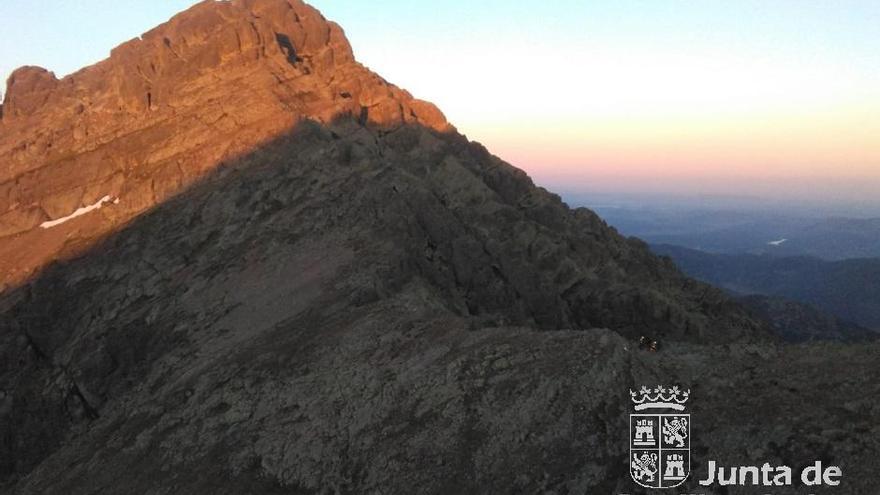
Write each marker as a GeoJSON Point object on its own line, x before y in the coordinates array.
{"type": "Point", "coordinates": [768, 98]}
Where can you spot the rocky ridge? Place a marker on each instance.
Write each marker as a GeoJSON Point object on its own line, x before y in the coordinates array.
{"type": "Point", "coordinates": [165, 109]}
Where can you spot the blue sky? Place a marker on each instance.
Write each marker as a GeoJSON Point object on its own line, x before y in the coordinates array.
{"type": "Point", "coordinates": [759, 96]}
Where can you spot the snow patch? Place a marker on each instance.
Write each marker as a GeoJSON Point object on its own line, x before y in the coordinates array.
{"type": "Point", "coordinates": [777, 243]}
{"type": "Point", "coordinates": [79, 212]}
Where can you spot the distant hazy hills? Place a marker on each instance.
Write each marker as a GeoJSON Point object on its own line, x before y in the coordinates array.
{"type": "Point", "coordinates": [848, 289]}
{"type": "Point", "coordinates": [800, 322]}
{"type": "Point", "coordinates": [734, 232]}
{"type": "Point", "coordinates": [809, 277]}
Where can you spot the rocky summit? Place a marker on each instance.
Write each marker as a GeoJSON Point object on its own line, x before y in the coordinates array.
{"type": "Point", "coordinates": [210, 85]}
{"type": "Point", "coordinates": [234, 260]}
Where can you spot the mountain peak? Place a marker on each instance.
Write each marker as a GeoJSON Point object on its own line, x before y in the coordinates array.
{"type": "Point", "coordinates": [229, 253]}
{"type": "Point", "coordinates": [213, 42]}
{"type": "Point", "coordinates": [234, 260]}
{"type": "Point", "coordinates": [171, 105]}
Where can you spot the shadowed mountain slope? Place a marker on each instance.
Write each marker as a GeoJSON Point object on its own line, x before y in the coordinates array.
{"type": "Point", "coordinates": [312, 284]}
{"type": "Point", "coordinates": [290, 325]}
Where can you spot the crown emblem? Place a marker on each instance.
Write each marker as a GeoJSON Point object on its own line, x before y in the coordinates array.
{"type": "Point", "coordinates": [660, 398]}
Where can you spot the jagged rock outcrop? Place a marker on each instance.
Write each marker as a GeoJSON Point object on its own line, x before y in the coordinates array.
{"type": "Point", "coordinates": [168, 107]}
{"type": "Point", "coordinates": [312, 284]}
{"type": "Point", "coordinates": [27, 90]}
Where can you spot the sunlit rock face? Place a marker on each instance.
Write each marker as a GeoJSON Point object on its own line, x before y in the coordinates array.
{"type": "Point", "coordinates": [170, 106]}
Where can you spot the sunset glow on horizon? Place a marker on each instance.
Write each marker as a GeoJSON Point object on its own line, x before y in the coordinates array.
{"type": "Point", "coordinates": [749, 97]}
{"type": "Point", "coordinates": [774, 99]}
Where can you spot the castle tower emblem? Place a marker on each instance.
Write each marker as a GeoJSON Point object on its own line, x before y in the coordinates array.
{"type": "Point", "coordinates": [659, 437]}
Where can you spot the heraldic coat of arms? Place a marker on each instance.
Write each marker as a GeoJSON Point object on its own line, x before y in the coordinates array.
{"type": "Point", "coordinates": [659, 437]}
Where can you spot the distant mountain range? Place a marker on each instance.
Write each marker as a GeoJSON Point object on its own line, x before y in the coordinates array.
{"type": "Point", "coordinates": [736, 232]}
{"type": "Point", "coordinates": [800, 322]}
{"type": "Point", "coordinates": [848, 289]}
